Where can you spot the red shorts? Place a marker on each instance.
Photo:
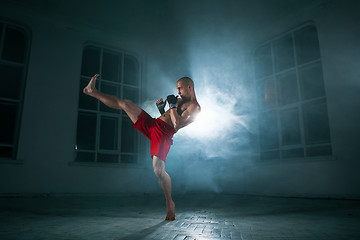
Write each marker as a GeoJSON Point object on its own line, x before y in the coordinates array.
{"type": "Point", "coordinates": [159, 132]}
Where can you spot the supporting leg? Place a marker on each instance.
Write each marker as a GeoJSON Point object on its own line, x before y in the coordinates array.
{"type": "Point", "coordinates": [131, 109]}
{"type": "Point", "coordinates": [165, 183]}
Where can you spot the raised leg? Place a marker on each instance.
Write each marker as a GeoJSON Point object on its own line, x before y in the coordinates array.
{"type": "Point", "coordinates": [165, 183]}
{"type": "Point", "coordinates": [131, 109]}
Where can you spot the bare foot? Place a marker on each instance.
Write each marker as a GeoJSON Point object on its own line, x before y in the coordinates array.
{"type": "Point", "coordinates": [90, 88]}
{"type": "Point", "coordinates": [170, 211]}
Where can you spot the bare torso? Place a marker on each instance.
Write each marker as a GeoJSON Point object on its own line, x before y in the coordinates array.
{"type": "Point", "coordinates": [181, 107]}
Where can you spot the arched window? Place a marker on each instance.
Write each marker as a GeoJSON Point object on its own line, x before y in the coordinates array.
{"type": "Point", "coordinates": [14, 51]}
{"type": "Point", "coordinates": [105, 135]}
{"type": "Point", "coordinates": [292, 109]}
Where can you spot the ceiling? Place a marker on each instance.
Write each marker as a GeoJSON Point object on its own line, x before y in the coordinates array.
{"type": "Point", "coordinates": [162, 15]}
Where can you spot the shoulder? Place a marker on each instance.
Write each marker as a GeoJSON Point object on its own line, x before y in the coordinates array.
{"type": "Point", "coordinates": [195, 107]}
{"type": "Point", "coordinates": [198, 106]}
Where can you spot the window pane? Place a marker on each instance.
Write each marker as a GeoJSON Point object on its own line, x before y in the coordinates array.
{"type": "Point", "coordinates": [311, 82]}
{"type": "Point", "coordinates": [131, 71]}
{"type": "Point", "coordinates": [268, 130]}
{"type": "Point", "coordinates": [266, 94]}
{"type": "Point", "coordinates": [260, 92]}
{"type": "Point", "coordinates": [263, 62]}
{"type": "Point", "coordinates": [270, 155]}
{"type": "Point", "coordinates": [307, 44]}
{"type": "Point", "coordinates": [131, 94]}
{"type": "Point", "coordinates": [108, 158]}
{"type": "Point", "coordinates": [6, 152]}
{"type": "Point", "coordinates": [319, 151]}
{"type": "Point", "coordinates": [287, 88]}
{"type": "Point", "coordinates": [111, 67]}
{"type": "Point", "coordinates": [290, 127]}
{"type": "Point", "coordinates": [128, 158]}
{"type": "Point", "coordinates": [1, 32]}
{"type": "Point", "coordinates": [14, 46]}
{"type": "Point", "coordinates": [109, 133]}
{"type": "Point", "coordinates": [293, 153]}
{"type": "Point", "coordinates": [284, 53]}
{"type": "Point", "coordinates": [119, 77]}
{"type": "Point", "coordinates": [128, 137]}
{"type": "Point", "coordinates": [316, 122]}
{"type": "Point", "coordinates": [85, 101]}
{"type": "Point", "coordinates": [111, 90]}
{"type": "Point", "coordinates": [7, 122]}
{"type": "Point", "coordinates": [90, 61]}
{"type": "Point", "coordinates": [86, 131]}
{"type": "Point", "coordinates": [85, 157]}
{"type": "Point", "coordinates": [10, 81]}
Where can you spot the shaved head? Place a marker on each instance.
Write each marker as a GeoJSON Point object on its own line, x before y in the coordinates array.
{"type": "Point", "coordinates": [186, 81]}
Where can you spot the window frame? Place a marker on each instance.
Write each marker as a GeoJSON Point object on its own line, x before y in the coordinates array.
{"type": "Point", "coordinates": [273, 78]}
{"type": "Point", "coordinates": [117, 114]}
{"type": "Point", "coordinates": [25, 30]}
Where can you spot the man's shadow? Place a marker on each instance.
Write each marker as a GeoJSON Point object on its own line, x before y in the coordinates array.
{"type": "Point", "coordinates": [143, 233]}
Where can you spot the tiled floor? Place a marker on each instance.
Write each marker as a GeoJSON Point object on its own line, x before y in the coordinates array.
{"type": "Point", "coordinates": [198, 217]}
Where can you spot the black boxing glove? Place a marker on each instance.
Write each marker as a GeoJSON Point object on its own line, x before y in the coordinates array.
{"type": "Point", "coordinates": [172, 100]}
{"type": "Point", "coordinates": [161, 107]}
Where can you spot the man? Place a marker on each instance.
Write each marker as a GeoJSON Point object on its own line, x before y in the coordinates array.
{"type": "Point", "coordinates": [160, 131]}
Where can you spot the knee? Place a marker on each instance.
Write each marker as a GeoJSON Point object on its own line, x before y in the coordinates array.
{"type": "Point", "coordinates": [125, 104]}
{"type": "Point", "coordinates": [158, 172]}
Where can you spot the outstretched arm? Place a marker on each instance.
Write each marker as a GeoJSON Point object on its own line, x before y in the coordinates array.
{"type": "Point", "coordinates": [187, 117]}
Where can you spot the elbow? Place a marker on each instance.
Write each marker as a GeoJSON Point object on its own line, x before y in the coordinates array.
{"type": "Point", "coordinates": [176, 125]}
{"type": "Point", "coordinates": [176, 129]}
